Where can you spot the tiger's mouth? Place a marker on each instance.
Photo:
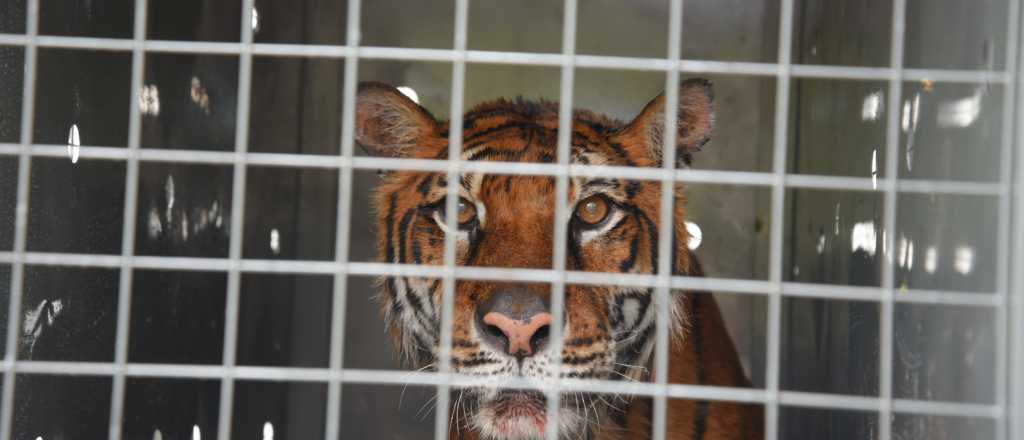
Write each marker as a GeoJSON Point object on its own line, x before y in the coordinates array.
{"type": "Point", "coordinates": [520, 415]}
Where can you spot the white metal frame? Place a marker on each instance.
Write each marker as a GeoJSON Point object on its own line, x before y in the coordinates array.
{"type": "Point", "coordinates": [1009, 310]}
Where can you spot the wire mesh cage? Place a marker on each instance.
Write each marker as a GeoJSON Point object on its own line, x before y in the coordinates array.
{"type": "Point", "coordinates": [194, 245]}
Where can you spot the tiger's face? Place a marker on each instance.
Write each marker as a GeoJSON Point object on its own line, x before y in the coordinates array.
{"type": "Point", "coordinates": [500, 329]}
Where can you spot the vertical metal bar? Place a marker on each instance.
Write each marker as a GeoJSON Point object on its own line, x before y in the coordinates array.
{"type": "Point", "coordinates": [444, 360]}
{"type": "Point", "coordinates": [778, 218]}
{"type": "Point", "coordinates": [892, 148]}
{"type": "Point", "coordinates": [666, 224]}
{"type": "Point", "coordinates": [20, 220]}
{"type": "Point", "coordinates": [124, 294]}
{"type": "Point", "coordinates": [237, 223]}
{"type": "Point", "coordinates": [1002, 329]}
{"type": "Point", "coordinates": [341, 249]}
{"type": "Point", "coordinates": [565, 129]}
{"type": "Point", "coordinates": [1015, 411]}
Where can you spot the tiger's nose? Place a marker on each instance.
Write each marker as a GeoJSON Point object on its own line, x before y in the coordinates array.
{"type": "Point", "coordinates": [515, 321]}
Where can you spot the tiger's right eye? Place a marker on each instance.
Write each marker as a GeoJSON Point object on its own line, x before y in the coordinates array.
{"type": "Point", "coordinates": [467, 211]}
{"type": "Point", "coordinates": [593, 210]}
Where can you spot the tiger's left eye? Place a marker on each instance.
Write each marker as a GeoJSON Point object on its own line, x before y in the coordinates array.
{"type": "Point", "coordinates": [467, 211]}
{"type": "Point", "coordinates": [593, 210]}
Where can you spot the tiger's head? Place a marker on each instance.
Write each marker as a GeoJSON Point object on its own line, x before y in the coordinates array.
{"type": "Point", "coordinates": [500, 329]}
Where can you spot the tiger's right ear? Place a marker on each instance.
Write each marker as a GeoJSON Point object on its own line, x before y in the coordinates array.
{"type": "Point", "coordinates": [390, 124]}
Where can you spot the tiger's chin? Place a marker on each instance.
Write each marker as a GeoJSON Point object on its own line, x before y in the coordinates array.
{"type": "Point", "coordinates": [521, 415]}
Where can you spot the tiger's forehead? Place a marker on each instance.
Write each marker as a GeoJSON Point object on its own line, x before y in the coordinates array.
{"type": "Point", "coordinates": [527, 132]}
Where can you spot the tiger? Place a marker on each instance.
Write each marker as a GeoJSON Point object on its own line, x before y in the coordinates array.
{"type": "Point", "coordinates": [501, 330]}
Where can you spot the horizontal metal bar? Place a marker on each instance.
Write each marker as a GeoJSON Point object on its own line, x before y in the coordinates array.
{"type": "Point", "coordinates": [722, 177]}
{"type": "Point", "coordinates": [312, 267]}
{"type": "Point", "coordinates": [499, 57]}
{"type": "Point", "coordinates": [405, 378]}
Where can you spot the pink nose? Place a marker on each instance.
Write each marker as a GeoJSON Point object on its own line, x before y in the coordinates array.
{"type": "Point", "coordinates": [524, 337]}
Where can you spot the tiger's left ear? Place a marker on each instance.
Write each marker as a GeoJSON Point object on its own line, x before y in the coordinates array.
{"type": "Point", "coordinates": [390, 124]}
{"type": "Point", "coordinates": [695, 121]}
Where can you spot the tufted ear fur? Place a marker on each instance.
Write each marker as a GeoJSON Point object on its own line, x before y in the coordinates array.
{"type": "Point", "coordinates": [696, 119]}
{"type": "Point", "coordinates": [390, 124]}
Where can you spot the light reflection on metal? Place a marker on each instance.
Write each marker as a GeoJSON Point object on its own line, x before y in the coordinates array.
{"type": "Point", "coordinates": [963, 260]}
{"type": "Point", "coordinates": [198, 94]}
{"type": "Point", "coordinates": [961, 113]}
{"type": "Point", "coordinates": [195, 433]}
{"type": "Point", "coordinates": [902, 251]}
{"type": "Point", "coordinates": [149, 100]}
{"type": "Point", "coordinates": [153, 224]}
{"type": "Point", "coordinates": [696, 235]}
{"type": "Point", "coordinates": [268, 431]}
{"type": "Point", "coordinates": [874, 169]}
{"type": "Point", "coordinates": [275, 241]}
{"type": "Point", "coordinates": [864, 237]}
{"type": "Point", "coordinates": [931, 259]}
{"type": "Point", "coordinates": [169, 194]}
{"type": "Point", "coordinates": [836, 222]}
{"type": "Point", "coordinates": [255, 21]}
{"type": "Point", "coordinates": [872, 106]}
{"type": "Point", "coordinates": [38, 320]}
{"type": "Point", "coordinates": [157, 435]}
{"type": "Point", "coordinates": [74, 143]}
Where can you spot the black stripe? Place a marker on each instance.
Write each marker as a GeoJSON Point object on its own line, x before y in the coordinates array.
{"type": "Point", "coordinates": [575, 251]}
{"type": "Point", "coordinates": [579, 342]}
{"type": "Point", "coordinates": [417, 251]}
{"type": "Point", "coordinates": [617, 315]}
{"type": "Point", "coordinates": [464, 343]}
{"type": "Point", "coordinates": [473, 361]}
{"type": "Point", "coordinates": [403, 230]}
{"type": "Point", "coordinates": [389, 220]}
{"type": "Point", "coordinates": [490, 153]}
{"type": "Point", "coordinates": [390, 291]}
{"type": "Point", "coordinates": [476, 237]}
{"type": "Point", "coordinates": [700, 424]}
{"type": "Point", "coordinates": [630, 261]}
{"type": "Point", "coordinates": [579, 360]}
{"type": "Point", "coordinates": [652, 234]}
{"type": "Point", "coordinates": [419, 313]}
{"type": "Point", "coordinates": [632, 188]}
{"type": "Point", "coordinates": [497, 128]}
{"type": "Point", "coordinates": [620, 151]}
{"type": "Point", "coordinates": [425, 184]}
{"type": "Point", "coordinates": [697, 335]}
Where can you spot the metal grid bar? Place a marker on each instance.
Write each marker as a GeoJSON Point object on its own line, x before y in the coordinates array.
{"type": "Point", "coordinates": [778, 218]}
{"type": "Point", "coordinates": [666, 223]}
{"type": "Point", "coordinates": [562, 213]}
{"type": "Point", "coordinates": [777, 179]}
{"type": "Point", "coordinates": [1015, 417]}
{"type": "Point", "coordinates": [892, 146]}
{"type": "Point", "coordinates": [238, 194]}
{"type": "Point", "coordinates": [402, 377]}
{"type": "Point", "coordinates": [441, 428]}
{"type": "Point", "coordinates": [340, 298]}
{"type": "Point", "coordinates": [1002, 355]}
{"type": "Point", "coordinates": [314, 267]}
{"type": "Point", "coordinates": [124, 294]}
{"type": "Point", "coordinates": [1016, 403]}
{"type": "Point", "coordinates": [752, 178]}
{"type": "Point", "coordinates": [20, 221]}
{"type": "Point", "coordinates": [497, 57]}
